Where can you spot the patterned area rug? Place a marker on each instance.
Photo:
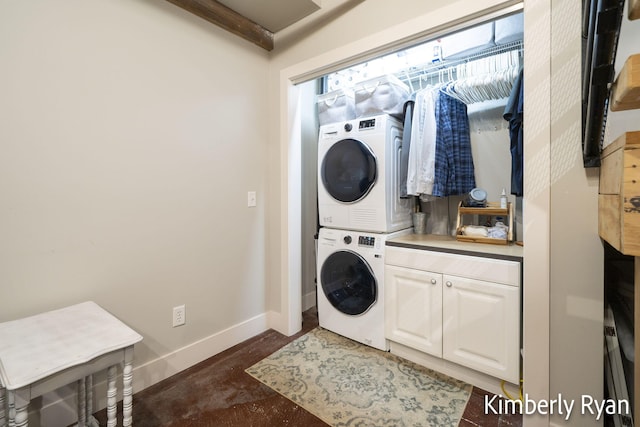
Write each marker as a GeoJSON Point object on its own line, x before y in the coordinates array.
{"type": "Point", "coordinates": [345, 383]}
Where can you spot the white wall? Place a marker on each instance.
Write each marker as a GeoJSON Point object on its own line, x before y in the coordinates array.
{"type": "Point", "coordinates": [309, 212]}
{"type": "Point", "coordinates": [130, 133]}
{"type": "Point", "coordinates": [575, 251]}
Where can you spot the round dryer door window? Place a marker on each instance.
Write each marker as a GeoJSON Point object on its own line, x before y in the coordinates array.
{"type": "Point", "coordinates": [348, 282]}
{"type": "Point", "coordinates": [349, 170]}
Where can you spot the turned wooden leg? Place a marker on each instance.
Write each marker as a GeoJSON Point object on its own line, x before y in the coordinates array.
{"type": "Point", "coordinates": [18, 407]}
{"type": "Point", "coordinates": [3, 406]}
{"type": "Point", "coordinates": [127, 390]}
{"type": "Point", "coordinates": [112, 392]}
{"type": "Point", "coordinates": [91, 421]}
{"type": "Point", "coordinates": [11, 409]}
{"type": "Point", "coordinates": [85, 402]}
{"type": "Point", "coordinates": [82, 403]}
{"type": "Point", "coordinates": [22, 416]}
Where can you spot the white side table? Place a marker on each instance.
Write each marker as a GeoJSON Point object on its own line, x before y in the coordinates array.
{"type": "Point", "coordinates": [42, 353]}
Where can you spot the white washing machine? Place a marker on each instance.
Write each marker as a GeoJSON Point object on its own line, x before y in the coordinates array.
{"type": "Point", "coordinates": [359, 176]}
{"type": "Point", "coordinates": [351, 284]}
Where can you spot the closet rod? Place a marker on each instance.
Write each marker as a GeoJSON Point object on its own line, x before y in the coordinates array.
{"type": "Point", "coordinates": [440, 68]}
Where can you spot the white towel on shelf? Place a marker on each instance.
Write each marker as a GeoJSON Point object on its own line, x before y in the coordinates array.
{"type": "Point", "coordinates": [475, 231]}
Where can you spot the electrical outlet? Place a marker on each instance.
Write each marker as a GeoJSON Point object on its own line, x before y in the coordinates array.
{"type": "Point", "coordinates": [179, 315]}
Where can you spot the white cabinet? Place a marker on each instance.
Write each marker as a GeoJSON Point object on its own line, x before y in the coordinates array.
{"type": "Point", "coordinates": [414, 308]}
{"type": "Point", "coordinates": [481, 326]}
{"type": "Point", "coordinates": [462, 308]}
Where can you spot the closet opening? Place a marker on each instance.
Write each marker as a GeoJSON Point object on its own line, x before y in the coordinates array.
{"type": "Point", "coordinates": [478, 65]}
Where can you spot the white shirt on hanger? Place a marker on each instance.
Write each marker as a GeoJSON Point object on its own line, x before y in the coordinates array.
{"type": "Point", "coordinates": [422, 151]}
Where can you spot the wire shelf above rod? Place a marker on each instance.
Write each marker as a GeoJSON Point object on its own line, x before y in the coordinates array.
{"type": "Point", "coordinates": [439, 72]}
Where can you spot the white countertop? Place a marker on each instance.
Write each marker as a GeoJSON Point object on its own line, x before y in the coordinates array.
{"type": "Point", "coordinates": [451, 245]}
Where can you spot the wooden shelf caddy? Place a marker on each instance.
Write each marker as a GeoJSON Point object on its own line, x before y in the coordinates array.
{"type": "Point", "coordinates": [634, 9]}
{"type": "Point", "coordinates": [625, 93]}
{"type": "Point", "coordinates": [492, 209]}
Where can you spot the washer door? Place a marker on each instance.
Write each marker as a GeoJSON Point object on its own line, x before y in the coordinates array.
{"type": "Point", "coordinates": [348, 282]}
{"type": "Point", "coordinates": [348, 170]}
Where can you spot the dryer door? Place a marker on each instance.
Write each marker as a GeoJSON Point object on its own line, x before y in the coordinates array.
{"type": "Point", "coordinates": [348, 170]}
{"type": "Point", "coordinates": [348, 282]}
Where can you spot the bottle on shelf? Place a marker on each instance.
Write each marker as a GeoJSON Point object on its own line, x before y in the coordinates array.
{"type": "Point", "coordinates": [503, 199]}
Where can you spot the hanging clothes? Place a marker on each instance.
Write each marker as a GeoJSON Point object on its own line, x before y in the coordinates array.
{"type": "Point", "coordinates": [421, 160]}
{"type": "Point", "coordinates": [407, 115]}
{"type": "Point", "coordinates": [513, 114]}
{"type": "Point", "coordinates": [454, 170]}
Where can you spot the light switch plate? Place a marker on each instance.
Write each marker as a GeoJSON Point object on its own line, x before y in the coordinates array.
{"type": "Point", "coordinates": [251, 199]}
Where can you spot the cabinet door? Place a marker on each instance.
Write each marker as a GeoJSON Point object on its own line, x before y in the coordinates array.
{"type": "Point", "coordinates": [481, 324]}
{"type": "Point", "coordinates": [413, 303]}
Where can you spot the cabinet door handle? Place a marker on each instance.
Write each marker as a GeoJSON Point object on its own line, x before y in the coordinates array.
{"type": "Point", "coordinates": [449, 284]}
{"type": "Point", "coordinates": [434, 281]}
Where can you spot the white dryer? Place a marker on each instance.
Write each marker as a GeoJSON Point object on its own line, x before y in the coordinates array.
{"type": "Point", "coordinates": [359, 176]}
{"type": "Point", "coordinates": [351, 284]}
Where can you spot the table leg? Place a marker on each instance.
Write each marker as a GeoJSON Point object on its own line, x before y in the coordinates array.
{"type": "Point", "coordinates": [89, 396]}
{"type": "Point", "coordinates": [112, 392]}
{"type": "Point", "coordinates": [18, 407]}
{"type": "Point", "coordinates": [91, 421]}
{"type": "Point", "coordinates": [82, 403]}
{"type": "Point", "coordinates": [11, 409]}
{"type": "Point", "coordinates": [3, 406]}
{"type": "Point", "coordinates": [127, 388]}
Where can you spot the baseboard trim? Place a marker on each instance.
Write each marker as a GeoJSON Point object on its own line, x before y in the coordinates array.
{"type": "Point", "coordinates": [172, 363]}
{"type": "Point", "coordinates": [59, 408]}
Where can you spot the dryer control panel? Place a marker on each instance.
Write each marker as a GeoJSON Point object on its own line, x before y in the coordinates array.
{"type": "Point", "coordinates": [368, 241]}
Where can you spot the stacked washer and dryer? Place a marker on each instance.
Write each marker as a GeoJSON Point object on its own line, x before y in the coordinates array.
{"type": "Point", "coordinates": [359, 208]}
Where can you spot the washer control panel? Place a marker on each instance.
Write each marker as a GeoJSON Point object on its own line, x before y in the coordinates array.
{"type": "Point", "coordinates": [367, 124]}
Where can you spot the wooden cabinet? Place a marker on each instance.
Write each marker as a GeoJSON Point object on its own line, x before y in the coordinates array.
{"type": "Point", "coordinates": [619, 224]}
{"type": "Point", "coordinates": [471, 321]}
{"type": "Point", "coordinates": [619, 194]}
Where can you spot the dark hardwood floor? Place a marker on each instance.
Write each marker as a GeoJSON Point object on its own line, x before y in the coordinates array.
{"type": "Point", "coordinates": [217, 392]}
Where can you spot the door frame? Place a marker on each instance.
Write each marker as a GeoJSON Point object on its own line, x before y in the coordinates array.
{"type": "Point", "coordinates": [535, 322]}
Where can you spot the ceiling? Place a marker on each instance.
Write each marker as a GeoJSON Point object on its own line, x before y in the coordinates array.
{"type": "Point", "coordinates": [255, 21]}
